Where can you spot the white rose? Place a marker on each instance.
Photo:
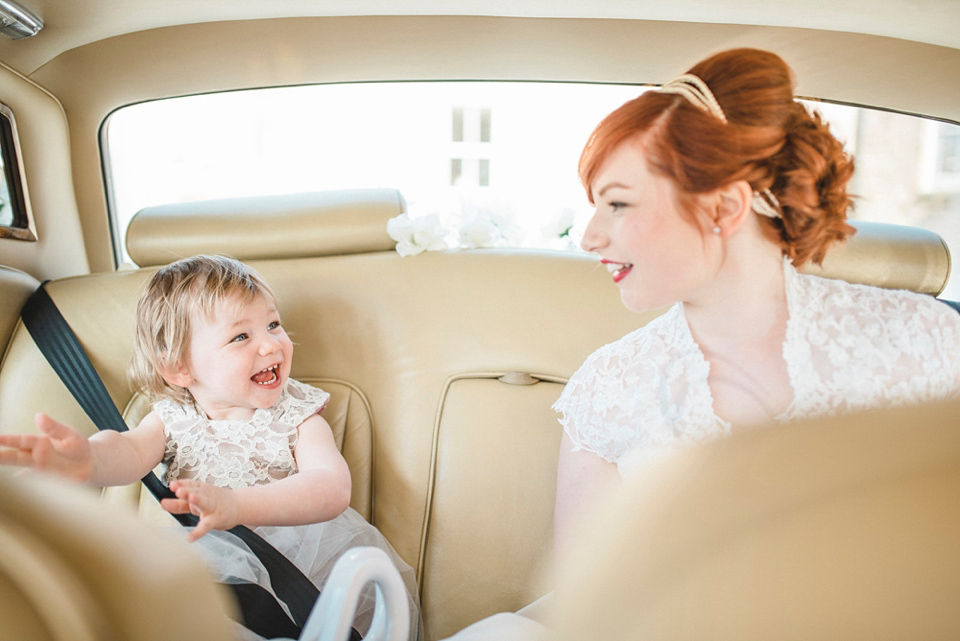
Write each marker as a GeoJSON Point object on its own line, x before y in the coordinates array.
{"type": "Point", "coordinates": [479, 232]}
{"type": "Point", "coordinates": [414, 235]}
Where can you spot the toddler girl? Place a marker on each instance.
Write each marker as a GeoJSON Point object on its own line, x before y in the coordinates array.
{"type": "Point", "coordinates": [241, 442]}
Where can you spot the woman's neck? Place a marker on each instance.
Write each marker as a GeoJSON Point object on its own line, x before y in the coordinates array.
{"type": "Point", "coordinates": [746, 305]}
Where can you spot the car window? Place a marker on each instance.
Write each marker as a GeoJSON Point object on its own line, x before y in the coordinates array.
{"type": "Point", "coordinates": [496, 161]}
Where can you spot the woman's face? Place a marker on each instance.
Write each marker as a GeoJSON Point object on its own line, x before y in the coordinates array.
{"type": "Point", "coordinates": [657, 255]}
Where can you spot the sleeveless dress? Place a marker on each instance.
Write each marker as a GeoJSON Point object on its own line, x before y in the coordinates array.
{"type": "Point", "coordinates": [847, 347]}
{"type": "Point", "coordinates": [236, 454]}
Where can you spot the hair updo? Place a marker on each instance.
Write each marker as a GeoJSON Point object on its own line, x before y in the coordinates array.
{"type": "Point", "coordinates": [770, 140]}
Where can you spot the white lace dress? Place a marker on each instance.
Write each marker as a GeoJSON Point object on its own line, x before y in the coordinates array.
{"type": "Point", "coordinates": [847, 347]}
{"type": "Point", "coordinates": [238, 454]}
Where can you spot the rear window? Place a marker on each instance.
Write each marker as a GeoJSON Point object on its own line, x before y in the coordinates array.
{"type": "Point", "coordinates": [496, 161]}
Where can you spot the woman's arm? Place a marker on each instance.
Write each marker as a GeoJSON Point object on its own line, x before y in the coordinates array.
{"type": "Point", "coordinates": [320, 491]}
{"type": "Point", "coordinates": [583, 481]}
{"type": "Point", "coordinates": [106, 458]}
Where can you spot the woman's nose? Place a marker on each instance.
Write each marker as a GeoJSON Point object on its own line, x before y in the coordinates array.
{"type": "Point", "coordinates": [594, 236]}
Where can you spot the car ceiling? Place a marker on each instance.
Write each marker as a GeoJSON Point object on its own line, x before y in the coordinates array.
{"type": "Point", "coordinates": [73, 23]}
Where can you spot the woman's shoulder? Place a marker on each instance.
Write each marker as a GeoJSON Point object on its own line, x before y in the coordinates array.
{"type": "Point", "coordinates": [892, 311]}
{"type": "Point", "coordinates": [854, 345]}
{"type": "Point", "coordinates": [657, 339]}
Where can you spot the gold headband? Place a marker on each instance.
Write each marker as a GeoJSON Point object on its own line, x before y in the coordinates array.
{"type": "Point", "coordinates": [698, 94]}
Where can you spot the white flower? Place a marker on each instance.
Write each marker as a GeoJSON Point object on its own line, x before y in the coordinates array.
{"type": "Point", "coordinates": [414, 235]}
{"type": "Point", "coordinates": [489, 225]}
{"type": "Point", "coordinates": [561, 227]}
{"type": "Point", "coordinates": [558, 234]}
{"type": "Point", "coordinates": [479, 231]}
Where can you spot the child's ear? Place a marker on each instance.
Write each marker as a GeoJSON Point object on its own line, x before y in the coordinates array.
{"type": "Point", "coordinates": [733, 203]}
{"type": "Point", "coordinates": [177, 376]}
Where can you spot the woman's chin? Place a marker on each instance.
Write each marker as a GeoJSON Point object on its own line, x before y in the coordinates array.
{"type": "Point", "coordinates": [640, 304]}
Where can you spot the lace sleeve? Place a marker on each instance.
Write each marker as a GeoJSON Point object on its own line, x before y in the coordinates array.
{"type": "Point", "coordinates": [604, 405]}
{"type": "Point", "coordinates": [574, 406]}
{"type": "Point", "coordinates": [300, 403]}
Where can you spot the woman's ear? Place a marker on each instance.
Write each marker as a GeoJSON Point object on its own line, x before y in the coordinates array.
{"type": "Point", "coordinates": [733, 204]}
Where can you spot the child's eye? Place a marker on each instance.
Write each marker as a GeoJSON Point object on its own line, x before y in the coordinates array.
{"type": "Point", "coordinates": [238, 338]}
{"type": "Point", "coordinates": [273, 325]}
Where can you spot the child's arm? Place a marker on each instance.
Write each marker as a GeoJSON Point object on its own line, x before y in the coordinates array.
{"type": "Point", "coordinates": [106, 458]}
{"type": "Point", "coordinates": [320, 490]}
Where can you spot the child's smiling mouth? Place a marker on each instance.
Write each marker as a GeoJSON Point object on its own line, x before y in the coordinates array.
{"type": "Point", "coordinates": [267, 376]}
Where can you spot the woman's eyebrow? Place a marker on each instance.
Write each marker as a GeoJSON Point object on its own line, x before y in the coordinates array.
{"type": "Point", "coordinates": [611, 186]}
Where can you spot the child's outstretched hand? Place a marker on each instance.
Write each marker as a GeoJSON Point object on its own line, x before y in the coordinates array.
{"type": "Point", "coordinates": [216, 506]}
{"type": "Point", "coordinates": [59, 448]}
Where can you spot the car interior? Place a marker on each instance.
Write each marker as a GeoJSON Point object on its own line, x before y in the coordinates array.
{"type": "Point", "coordinates": [443, 366]}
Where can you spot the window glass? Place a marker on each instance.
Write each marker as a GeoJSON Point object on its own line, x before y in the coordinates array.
{"type": "Point", "coordinates": [496, 161]}
{"type": "Point", "coordinates": [15, 220]}
{"type": "Point", "coordinates": [470, 152]}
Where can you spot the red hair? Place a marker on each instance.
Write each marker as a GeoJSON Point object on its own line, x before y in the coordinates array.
{"type": "Point", "coordinates": [770, 140]}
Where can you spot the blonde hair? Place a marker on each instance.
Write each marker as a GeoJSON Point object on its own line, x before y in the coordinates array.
{"type": "Point", "coordinates": [186, 289]}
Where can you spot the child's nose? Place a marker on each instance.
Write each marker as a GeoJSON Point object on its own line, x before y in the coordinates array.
{"type": "Point", "coordinates": [269, 345]}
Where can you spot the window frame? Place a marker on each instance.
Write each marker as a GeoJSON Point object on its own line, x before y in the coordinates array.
{"type": "Point", "coordinates": [22, 227]}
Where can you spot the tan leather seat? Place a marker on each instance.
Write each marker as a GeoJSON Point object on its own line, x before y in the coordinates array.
{"type": "Point", "coordinates": [73, 569]}
{"type": "Point", "coordinates": [15, 287]}
{"type": "Point", "coordinates": [442, 367]}
{"type": "Point", "coordinates": [844, 528]}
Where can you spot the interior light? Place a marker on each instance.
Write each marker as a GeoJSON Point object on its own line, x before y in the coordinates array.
{"type": "Point", "coordinates": [17, 22]}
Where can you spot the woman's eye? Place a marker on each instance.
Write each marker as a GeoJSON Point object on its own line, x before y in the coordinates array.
{"type": "Point", "coordinates": [238, 338]}
{"type": "Point", "coordinates": [617, 205]}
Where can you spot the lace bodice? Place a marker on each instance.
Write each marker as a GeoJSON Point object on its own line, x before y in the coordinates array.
{"type": "Point", "coordinates": [237, 453]}
{"type": "Point", "coordinates": [847, 347]}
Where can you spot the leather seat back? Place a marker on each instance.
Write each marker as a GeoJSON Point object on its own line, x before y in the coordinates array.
{"type": "Point", "coordinates": [841, 528]}
{"type": "Point", "coordinates": [74, 570]}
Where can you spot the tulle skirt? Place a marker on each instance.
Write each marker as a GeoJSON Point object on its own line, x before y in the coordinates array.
{"type": "Point", "coordinates": [314, 548]}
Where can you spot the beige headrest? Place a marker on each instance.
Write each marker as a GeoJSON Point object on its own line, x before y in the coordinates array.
{"type": "Point", "coordinates": [323, 223]}
{"type": "Point", "coordinates": [353, 221]}
{"type": "Point", "coordinates": [890, 256]}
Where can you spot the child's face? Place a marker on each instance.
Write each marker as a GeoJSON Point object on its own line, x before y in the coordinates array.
{"type": "Point", "coordinates": [239, 358]}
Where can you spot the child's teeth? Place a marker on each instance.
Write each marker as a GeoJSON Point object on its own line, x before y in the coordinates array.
{"type": "Point", "coordinates": [261, 377]}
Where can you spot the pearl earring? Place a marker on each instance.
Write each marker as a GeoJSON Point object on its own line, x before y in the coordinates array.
{"type": "Point", "coordinates": [716, 229]}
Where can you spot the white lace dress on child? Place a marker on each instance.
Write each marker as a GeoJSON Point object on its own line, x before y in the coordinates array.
{"type": "Point", "coordinates": [847, 347]}
{"type": "Point", "coordinates": [236, 454]}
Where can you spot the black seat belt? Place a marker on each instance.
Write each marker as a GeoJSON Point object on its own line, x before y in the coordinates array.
{"type": "Point", "coordinates": [62, 349]}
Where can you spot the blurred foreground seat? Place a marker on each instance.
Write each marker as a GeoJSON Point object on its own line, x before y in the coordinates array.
{"type": "Point", "coordinates": [75, 569]}
{"type": "Point", "coordinates": [846, 528]}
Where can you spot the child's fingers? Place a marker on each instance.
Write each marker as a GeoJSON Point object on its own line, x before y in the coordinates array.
{"type": "Point", "coordinates": [175, 506]}
{"type": "Point", "coordinates": [202, 528]}
{"type": "Point", "coordinates": [19, 449]}
{"type": "Point", "coordinates": [182, 488]}
{"type": "Point", "coordinates": [52, 428]}
{"type": "Point", "coordinates": [18, 441]}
